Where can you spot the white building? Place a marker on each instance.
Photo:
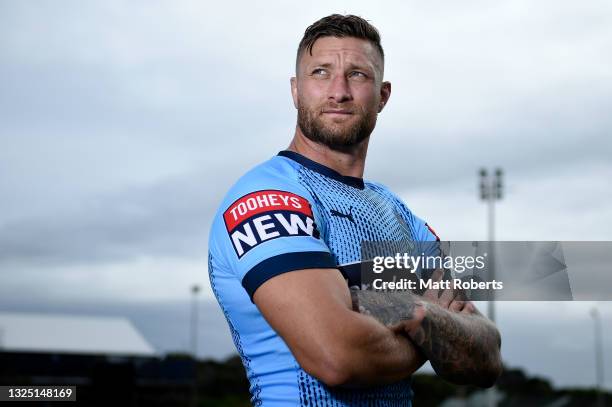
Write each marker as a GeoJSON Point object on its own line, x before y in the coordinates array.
{"type": "Point", "coordinates": [48, 333]}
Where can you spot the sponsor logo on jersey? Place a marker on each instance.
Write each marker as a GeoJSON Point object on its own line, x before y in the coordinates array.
{"type": "Point", "coordinates": [349, 215]}
{"type": "Point", "coordinates": [265, 215]}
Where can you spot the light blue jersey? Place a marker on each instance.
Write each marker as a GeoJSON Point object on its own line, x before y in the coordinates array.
{"type": "Point", "coordinates": [291, 213]}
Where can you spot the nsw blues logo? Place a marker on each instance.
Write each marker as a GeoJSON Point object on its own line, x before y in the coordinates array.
{"type": "Point", "coordinates": [265, 215]}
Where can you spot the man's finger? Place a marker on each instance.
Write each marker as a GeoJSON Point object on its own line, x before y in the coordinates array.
{"type": "Point", "coordinates": [461, 295]}
{"type": "Point", "coordinates": [446, 297]}
{"type": "Point", "coordinates": [469, 308]}
{"type": "Point", "coordinates": [456, 305]}
{"type": "Point", "coordinates": [432, 294]}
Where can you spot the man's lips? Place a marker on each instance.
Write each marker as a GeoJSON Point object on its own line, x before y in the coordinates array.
{"type": "Point", "coordinates": [337, 112]}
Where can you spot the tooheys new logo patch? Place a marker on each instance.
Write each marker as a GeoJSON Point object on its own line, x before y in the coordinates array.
{"type": "Point", "coordinates": [265, 215]}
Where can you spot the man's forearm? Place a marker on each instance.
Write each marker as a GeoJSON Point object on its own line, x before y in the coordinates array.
{"type": "Point", "coordinates": [462, 347]}
{"type": "Point", "coordinates": [378, 355]}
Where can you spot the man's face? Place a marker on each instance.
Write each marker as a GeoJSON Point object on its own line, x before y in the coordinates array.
{"type": "Point", "coordinates": [339, 91]}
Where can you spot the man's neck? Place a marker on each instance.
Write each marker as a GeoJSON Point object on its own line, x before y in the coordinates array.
{"type": "Point", "coordinates": [349, 163]}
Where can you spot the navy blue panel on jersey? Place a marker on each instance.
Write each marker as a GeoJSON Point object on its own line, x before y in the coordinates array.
{"type": "Point", "coordinates": [283, 263]}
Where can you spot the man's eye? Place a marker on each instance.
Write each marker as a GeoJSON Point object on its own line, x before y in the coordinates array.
{"type": "Point", "coordinates": [357, 74]}
{"type": "Point", "coordinates": [319, 71]}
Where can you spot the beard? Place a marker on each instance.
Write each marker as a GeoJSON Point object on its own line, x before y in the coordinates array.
{"type": "Point", "coordinates": [336, 136]}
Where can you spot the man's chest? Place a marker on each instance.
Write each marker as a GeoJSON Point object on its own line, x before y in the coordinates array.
{"type": "Point", "coordinates": [349, 219]}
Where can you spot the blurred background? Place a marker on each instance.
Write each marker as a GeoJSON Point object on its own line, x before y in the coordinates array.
{"type": "Point", "coordinates": [123, 124]}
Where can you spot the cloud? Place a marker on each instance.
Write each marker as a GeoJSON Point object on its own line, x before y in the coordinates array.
{"type": "Point", "coordinates": [125, 123]}
{"type": "Point", "coordinates": [168, 218]}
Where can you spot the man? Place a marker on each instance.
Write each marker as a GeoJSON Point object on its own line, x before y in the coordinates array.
{"type": "Point", "coordinates": [287, 226]}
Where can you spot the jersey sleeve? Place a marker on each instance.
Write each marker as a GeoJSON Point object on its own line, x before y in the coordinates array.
{"type": "Point", "coordinates": [427, 241]}
{"type": "Point", "coordinates": [267, 229]}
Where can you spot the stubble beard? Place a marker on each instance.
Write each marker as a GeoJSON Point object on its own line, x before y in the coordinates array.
{"type": "Point", "coordinates": [338, 136]}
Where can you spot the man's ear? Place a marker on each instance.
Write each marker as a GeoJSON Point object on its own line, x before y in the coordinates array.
{"type": "Point", "coordinates": [294, 94]}
{"type": "Point", "coordinates": [385, 94]}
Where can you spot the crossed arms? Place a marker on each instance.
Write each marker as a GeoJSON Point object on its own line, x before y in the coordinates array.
{"type": "Point", "coordinates": [313, 312]}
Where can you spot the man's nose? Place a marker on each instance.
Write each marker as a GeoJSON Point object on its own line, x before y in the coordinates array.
{"type": "Point", "coordinates": [339, 90]}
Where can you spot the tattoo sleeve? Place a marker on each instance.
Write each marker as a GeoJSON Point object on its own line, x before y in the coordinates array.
{"type": "Point", "coordinates": [463, 348]}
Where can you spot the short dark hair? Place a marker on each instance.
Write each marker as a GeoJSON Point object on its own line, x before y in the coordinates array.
{"type": "Point", "coordinates": [337, 25]}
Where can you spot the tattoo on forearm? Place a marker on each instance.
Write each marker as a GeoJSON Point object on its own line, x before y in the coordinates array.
{"type": "Point", "coordinates": [462, 348]}
{"type": "Point", "coordinates": [387, 307]}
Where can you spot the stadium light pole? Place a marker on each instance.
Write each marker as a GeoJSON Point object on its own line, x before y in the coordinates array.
{"type": "Point", "coordinates": [599, 369]}
{"type": "Point", "coordinates": [491, 191]}
{"type": "Point", "coordinates": [195, 289]}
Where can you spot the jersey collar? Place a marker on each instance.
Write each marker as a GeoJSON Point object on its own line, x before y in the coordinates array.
{"type": "Point", "coordinates": [354, 182]}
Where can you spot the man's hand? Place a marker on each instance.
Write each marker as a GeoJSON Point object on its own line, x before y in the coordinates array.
{"type": "Point", "coordinates": [461, 344]}
{"type": "Point", "coordinates": [450, 299]}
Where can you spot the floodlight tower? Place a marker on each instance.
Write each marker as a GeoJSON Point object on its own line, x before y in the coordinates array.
{"type": "Point", "coordinates": [491, 191]}
{"type": "Point", "coordinates": [195, 289]}
{"type": "Point", "coordinates": [599, 369]}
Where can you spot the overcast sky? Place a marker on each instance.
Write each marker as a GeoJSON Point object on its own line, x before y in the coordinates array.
{"type": "Point", "coordinates": [122, 125]}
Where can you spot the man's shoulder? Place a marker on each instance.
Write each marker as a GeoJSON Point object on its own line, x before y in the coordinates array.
{"type": "Point", "coordinates": [385, 191]}
{"type": "Point", "coordinates": [266, 224]}
{"type": "Point", "coordinates": [423, 230]}
{"type": "Point", "coordinates": [396, 200]}
{"type": "Point", "coordinates": [271, 186]}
